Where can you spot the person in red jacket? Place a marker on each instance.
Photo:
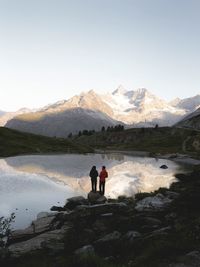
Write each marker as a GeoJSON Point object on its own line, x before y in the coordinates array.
{"type": "Point", "coordinates": [103, 175]}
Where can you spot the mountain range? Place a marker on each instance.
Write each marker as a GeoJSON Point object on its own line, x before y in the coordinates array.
{"type": "Point", "coordinates": [90, 110]}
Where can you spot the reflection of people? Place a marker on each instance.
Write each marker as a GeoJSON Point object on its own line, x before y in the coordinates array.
{"type": "Point", "coordinates": [94, 174]}
{"type": "Point", "coordinates": [103, 175]}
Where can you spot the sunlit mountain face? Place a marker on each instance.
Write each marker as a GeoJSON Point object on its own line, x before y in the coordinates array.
{"type": "Point", "coordinates": [90, 110]}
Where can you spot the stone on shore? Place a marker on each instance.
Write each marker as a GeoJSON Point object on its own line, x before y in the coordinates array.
{"type": "Point", "coordinates": [87, 250]}
{"type": "Point", "coordinates": [75, 201]}
{"type": "Point", "coordinates": [108, 244]}
{"type": "Point", "coordinates": [50, 240]}
{"type": "Point", "coordinates": [44, 222]}
{"type": "Point", "coordinates": [158, 202]}
{"type": "Point", "coordinates": [96, 198]}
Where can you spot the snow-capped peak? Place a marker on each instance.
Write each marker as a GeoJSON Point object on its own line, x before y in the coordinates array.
{"type": "Point", "coordinates": [119, 91]}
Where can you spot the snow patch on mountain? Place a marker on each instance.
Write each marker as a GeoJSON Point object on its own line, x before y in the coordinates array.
{"type": "Point", "coordinates": [142, 107]}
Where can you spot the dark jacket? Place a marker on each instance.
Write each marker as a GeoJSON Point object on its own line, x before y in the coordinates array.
{"type": "Point", "coordinates": [94, 173]}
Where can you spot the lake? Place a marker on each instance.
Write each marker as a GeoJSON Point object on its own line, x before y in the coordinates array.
{"type": "Point", "coordinates": [31, 184]}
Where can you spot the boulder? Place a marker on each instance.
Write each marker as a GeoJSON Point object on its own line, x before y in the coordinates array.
{"type": "Point", "coordinates": [96, 198]}
{"type": "Point", "coordinates": [101, 200]}
{"type": "Point", "coordinates": [157, 233]}
{"type": "Point", "coordinates": [45, 221]}
{"type": "Point", "coordinates": [21, 235]}
{"type": "Point", "coordinates": [130, 237]}
{"type": "Point", "coordinates": [43, 224]}
{"type": "Point", "coordinates": [109, 244]}
{"type": "Point", "coordinates": [171, 194]}
{"type": "Point", "coordinates": [43, 214]}
{"type": "Point", "coordinates": [51, 240]}
{"type": "Point", "coordinates": [98, 209]}
{"type": "Point", "coordinates": [85, 251]}
{"type": "Point", "coordinates": [163, 166]}
{"type": "Point", "coordinates": [156, 203]}
{"type": "Point", "coordinates": [57, 208]}
{"type": "Point", "coordinates": [75, 201]}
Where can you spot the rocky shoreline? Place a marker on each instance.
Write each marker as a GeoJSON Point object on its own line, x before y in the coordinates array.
{"type": "Point", "coordinates": [152, 229]}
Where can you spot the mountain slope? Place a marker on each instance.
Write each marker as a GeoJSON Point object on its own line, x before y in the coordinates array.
{"type": "Point", "coordinates": [138, 108]}
{"type": "Point", "coordinates": [191, 121]}
{"type": "Point", "coordinates": [6, 116]}
{"type": "Point", "coordinates": [189, 104]}
{"type": "Point", "coordinates": [61, 122]}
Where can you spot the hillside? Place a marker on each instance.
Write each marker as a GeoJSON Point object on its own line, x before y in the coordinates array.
{"type": "Point", "coordinates": [14, 143]}
{"type": "Point", "coordinates": [156, 140]}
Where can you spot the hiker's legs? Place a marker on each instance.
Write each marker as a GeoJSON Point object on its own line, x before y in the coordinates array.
{"type": "Point", "coordinates": [100, 187]}
{"type": "Point", "coordinates": [95, 185]}
{"type": "Point", "coordinates": [93, 181]}
{"type": "Point", "coordinates": [103, 188]}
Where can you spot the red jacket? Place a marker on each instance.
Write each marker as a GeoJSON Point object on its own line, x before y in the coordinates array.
{"type": "Point", "coordinates": [103, 175]}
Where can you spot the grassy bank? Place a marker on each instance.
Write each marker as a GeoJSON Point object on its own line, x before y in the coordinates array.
{"type": "Point", "coordinates": [161, 140]}
{"type": "Point", "coordinates": [13, 142]}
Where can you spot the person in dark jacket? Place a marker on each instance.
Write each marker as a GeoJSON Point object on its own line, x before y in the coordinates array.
{"type": "Point", "coordinates": [94, 174]}
{"type": "Point", "coordinates": [103, 175]}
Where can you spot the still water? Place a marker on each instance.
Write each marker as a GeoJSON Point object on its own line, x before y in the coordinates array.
{"type": "Point", "coordinates": [31, 184]}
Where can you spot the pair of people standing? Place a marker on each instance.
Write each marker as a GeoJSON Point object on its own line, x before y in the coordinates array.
{"type": "Point", "coordinates": [102, 179]}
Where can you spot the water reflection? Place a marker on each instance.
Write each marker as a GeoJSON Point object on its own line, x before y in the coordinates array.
{"type": "Point", "coordinates": [113, 156]}
{"type": "Point", "coordinates": [30, 184]}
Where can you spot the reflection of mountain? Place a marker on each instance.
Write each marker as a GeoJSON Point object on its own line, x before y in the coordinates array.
{"type": "Point", "coordinates": [126, 176]}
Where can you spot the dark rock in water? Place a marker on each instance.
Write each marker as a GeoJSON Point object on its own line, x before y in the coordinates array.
{"type": "Point", "coordinates": [96, 198]}
{"type": "Point", "coordinates": [163, 167]}
{"type": "Point", "coordinates": [75, 201]}
{"type": "Point", "coordinates": [57, 208]}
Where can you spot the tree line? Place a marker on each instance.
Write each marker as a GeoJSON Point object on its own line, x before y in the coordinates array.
{"type": "Point", "coordinates": [116, 128]}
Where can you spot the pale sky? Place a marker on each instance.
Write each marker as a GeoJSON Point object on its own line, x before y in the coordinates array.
{"type": "Point", "coordinates": [53, 49]}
